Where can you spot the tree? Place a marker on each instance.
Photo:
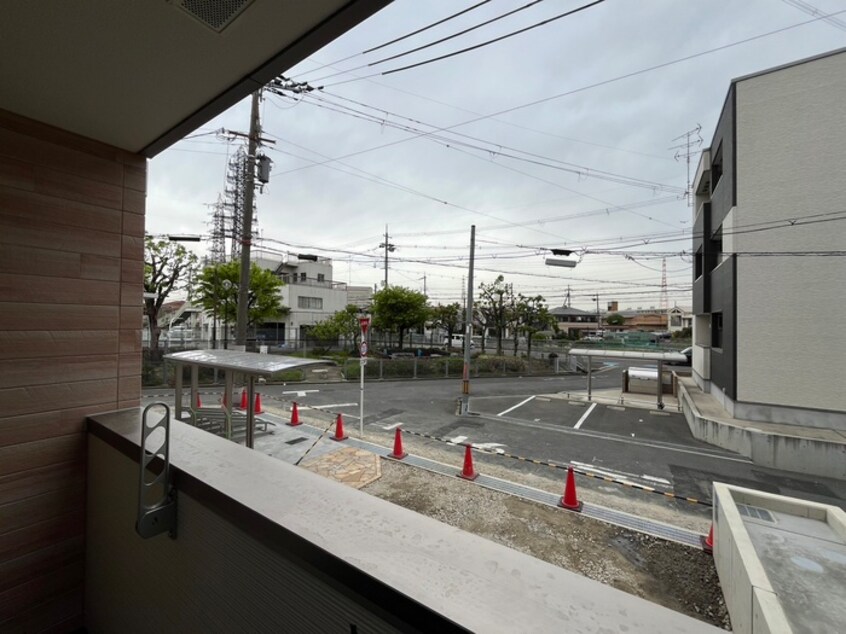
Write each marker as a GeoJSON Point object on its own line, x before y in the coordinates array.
{"type": "Point", "coordinates": [397, 309]}
{"type": "Point", "coordinates": [168, 267]}
{"type": "Point", "coordinates": [344, 324]}
{"type": "Point", "coordinates": [447, 317]}
{"type": "Point", "coordinates": [217, 292]}
{"type": "Point", "coordinates": [533, 317]}
{"type": "Point", "coordinates": [615, 319]}
{"type": "Point", "coordinates": [493, 306]}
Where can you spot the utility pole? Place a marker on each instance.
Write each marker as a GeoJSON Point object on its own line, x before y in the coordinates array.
{"type": "Point", "coordinates": [247, 223]}
{"type": "Point", "coordinates": [424, 284]}
{"type": "Point", "coordinates": [388, 248]}
{"type": "Point", "coordinates": [468, 327]}
{"type": "Point", "coordinates": [567, 301]}
{"type": "Point", "coordinates": [598, 317]}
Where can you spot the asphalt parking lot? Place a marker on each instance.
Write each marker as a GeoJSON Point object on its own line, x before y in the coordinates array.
{"type": "Point", "coordinates": [630, 422]}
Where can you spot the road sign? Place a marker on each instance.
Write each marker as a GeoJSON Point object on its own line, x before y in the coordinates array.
{"type": "Point", "coordinates": [362, 349]}
{"type": "Point", "coordinates": [362, 362]}
{"type": "Point", "coordinates": [364, 322]}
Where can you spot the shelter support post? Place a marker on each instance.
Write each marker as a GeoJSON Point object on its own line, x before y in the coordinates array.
{"type": "Point", "coordinates": [590, 375]}
{"type": "Point", "coordinates": [227, 400]}
{"type": "Point", "coordinates": [251, 410]}
{"type": "Point", "coordinates": [177, 391]}
{"type": "Point", "coordinates": [660, 384]}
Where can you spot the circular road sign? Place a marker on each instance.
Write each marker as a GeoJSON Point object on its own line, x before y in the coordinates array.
{"type": "Point", "coordinates": [362, 349]}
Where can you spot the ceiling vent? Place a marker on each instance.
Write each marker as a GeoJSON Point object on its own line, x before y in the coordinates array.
{"type": "Point", "coordinates": [215, 14]}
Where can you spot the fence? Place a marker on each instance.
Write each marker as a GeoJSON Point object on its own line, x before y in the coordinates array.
{"type": "Point", "coordinates": [450, 367]}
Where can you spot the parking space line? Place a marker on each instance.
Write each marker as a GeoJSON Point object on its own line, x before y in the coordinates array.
{"type": "Point", "coordinates": [521, 403]}
{"type": "Point", "coordinates": [584, 416]}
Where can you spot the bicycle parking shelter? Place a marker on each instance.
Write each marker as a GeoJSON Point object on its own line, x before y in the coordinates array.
{"type": "Point", "coordinates": [639, 355]}
{"type": "Point", "coordinates": [252, 365]}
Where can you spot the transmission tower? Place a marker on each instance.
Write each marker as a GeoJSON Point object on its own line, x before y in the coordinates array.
{"type": "Point", "coordinates": [690, 146]}
{"type": "Point", "coordinates": [236, 180]}
{"type": "Point", "coordinates": [665, 304]}
{"type": "Point", "coordinates": [217, 248]}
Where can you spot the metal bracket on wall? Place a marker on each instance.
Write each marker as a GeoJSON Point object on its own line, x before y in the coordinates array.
{"type": "Point", "coordinates": [160, 515]}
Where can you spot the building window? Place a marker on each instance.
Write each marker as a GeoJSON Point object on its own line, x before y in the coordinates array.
{"type": "Point", "coordinates": [717, 167]}
{"type": "Point", "coordinates": [302, 277]}
{"type": "Point", "coordinates": [675, 321]}
{"type": "Point", "coordinates": [717, 245]}
{"type": "Point", "coordinates": [716, 330]}
{"type": "Point", "coordinates": [313, 303]}
{"type": "Point", "coordinates": [321, 277]}
{"type": "Point", "coordinates": [697, 264]}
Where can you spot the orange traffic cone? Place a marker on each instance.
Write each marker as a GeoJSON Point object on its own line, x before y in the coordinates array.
{"type": "Point", "coordinates": [258, 409]}
{"type": "Point", "coordinates": [398, 454]}
{"type": "Point", "coordinates": [708, 542]}
{"type": "Point", "coordinates": [468, 473]}
{"type": "Point", "coordinates": [243, 404]}
{"type": "Point", "coordinates": [570, 500]}
{"type": "Point", "coordinates": [339, 429]}
{"type": "Point", "coordinates": [295, 416]}
{"type": "Point", "coordinates": [199, 402]}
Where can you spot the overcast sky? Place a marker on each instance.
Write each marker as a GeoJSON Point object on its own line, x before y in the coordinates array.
{"type": "Point", "coordinates": [429, 190]}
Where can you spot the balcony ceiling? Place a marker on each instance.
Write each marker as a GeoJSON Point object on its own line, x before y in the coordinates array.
{"type": "Point", "coordinates": [139, 75]}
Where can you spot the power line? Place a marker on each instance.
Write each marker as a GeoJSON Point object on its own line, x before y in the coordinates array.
{"type": "Point", "coordinates": [402, 37]}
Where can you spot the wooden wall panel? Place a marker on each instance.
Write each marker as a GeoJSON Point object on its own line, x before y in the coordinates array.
{"type": "Point", "coordinates": [57, 343]}
{"type": "Point", "coordinates": [71, 267]}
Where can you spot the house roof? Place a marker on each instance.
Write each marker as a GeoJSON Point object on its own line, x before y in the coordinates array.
{"type": "Point", "coordinates": [141, 75]}
{"type": "Point", "coordinates": [569, 310]}
{"type": "Point", "coordinates": [797, 62]}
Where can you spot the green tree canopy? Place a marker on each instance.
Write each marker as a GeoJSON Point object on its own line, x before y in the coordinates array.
{"type": "Point", "coordinates": [447, 317]}
{"type": "Point", "coordinates": [396, 309]}
{"type": "Point", "coordinates": [494, 303]}
{"type": "Point", "coordinates": [532, 317]}
{"type": "Point", "coordinates": [615, 319]}
{"type": "Point", "coordinates": [168, 267]}
{"type": "Point", "coordinates": [217, 292]}
{"type": "Point", "coordinates": [344, 324]}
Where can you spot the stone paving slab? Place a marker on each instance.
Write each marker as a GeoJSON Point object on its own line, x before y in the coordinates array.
{"type": "Point", "coordinates": [351, 466]}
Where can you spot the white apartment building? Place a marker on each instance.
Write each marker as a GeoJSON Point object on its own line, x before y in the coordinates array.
{"type": "Point", "coordinates": [769, 288]}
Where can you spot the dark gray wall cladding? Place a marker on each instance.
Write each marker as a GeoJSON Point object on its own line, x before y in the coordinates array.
{"type": "Point", "coordinates": [722, 197]}
{"type": "Point", "coordinates": [701, 285]}
{"type": "Point", "coordinates": [723, 373]}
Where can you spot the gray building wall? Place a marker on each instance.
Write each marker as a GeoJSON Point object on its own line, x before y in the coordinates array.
{"type": "Point", "coordinates": [791, 151]}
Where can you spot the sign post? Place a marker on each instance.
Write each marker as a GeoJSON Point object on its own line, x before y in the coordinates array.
{"type": "Point", "coordinates": [364, 323]}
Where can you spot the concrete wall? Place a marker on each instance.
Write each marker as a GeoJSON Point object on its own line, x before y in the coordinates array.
{"type": "Point", "coordinates": [71, 266]}
{"type": "Point", "coordinates": [268, 547]}
{"type": "Point", "coordinates": [791, 162]}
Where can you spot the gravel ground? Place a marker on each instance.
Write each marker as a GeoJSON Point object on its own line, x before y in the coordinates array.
{"type": "Point", "coordinates": [673, 575]}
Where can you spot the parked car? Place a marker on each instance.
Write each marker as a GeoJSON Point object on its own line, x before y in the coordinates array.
{"type": "Point", "coordinates": [457, 342]}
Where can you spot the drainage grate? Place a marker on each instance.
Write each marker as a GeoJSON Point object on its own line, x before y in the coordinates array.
{"type": "Point", "coordinates": [296, 441]}
{"type": "Point", "coordinates": [756, 513]}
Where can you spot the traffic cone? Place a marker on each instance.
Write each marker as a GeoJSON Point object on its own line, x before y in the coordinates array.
{"type": "Point", "coordinates": [199, 402]}
{"type": "Point", "coordinates": [243, 404]}
{"type": "Point", "coordinates": [258, 409]}
{"type": "Point", "coordinates": [708, 542]}
{"type": "Point", "coordinates": [339, 429]}
{"type": "Point", "coordinates": [398, 454]}
{"type": "Point", "coordinates": [468, 473]}
{"type": "Point", "coordinates": [570, 500]}
{"type": "Point", "coordinates": [295, 416]}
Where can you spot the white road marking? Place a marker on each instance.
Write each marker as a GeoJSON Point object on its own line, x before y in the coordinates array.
{"type": "Point", "coordinates": [654, 479]}
{"type": "Point", "coordinates": [333, 405]}
{"type": "Point", "coordinates": [620, 475]}
{"type": "Point", "coordinates": [584, 416]}
{"type": "Point", "coordinates": [300, 393]}
{"type": "Point", "coordinates": [543, 400]}
{"type": "Point", "coordinates": [456, 441]}
{"type": "Point", "coordinates": [390, 427]}
{"type": "Point", "coordinates": [521, 403]}
{"type": "Point", "coordinates": [488, 446]}
{"type": "Point", "coordinates": [605, 369]}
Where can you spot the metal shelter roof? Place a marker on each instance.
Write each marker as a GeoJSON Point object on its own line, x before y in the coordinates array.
{"type": "Point", "coordinates": [643, 355]}
{"type": "Point", "coordinates": [246, 362]}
